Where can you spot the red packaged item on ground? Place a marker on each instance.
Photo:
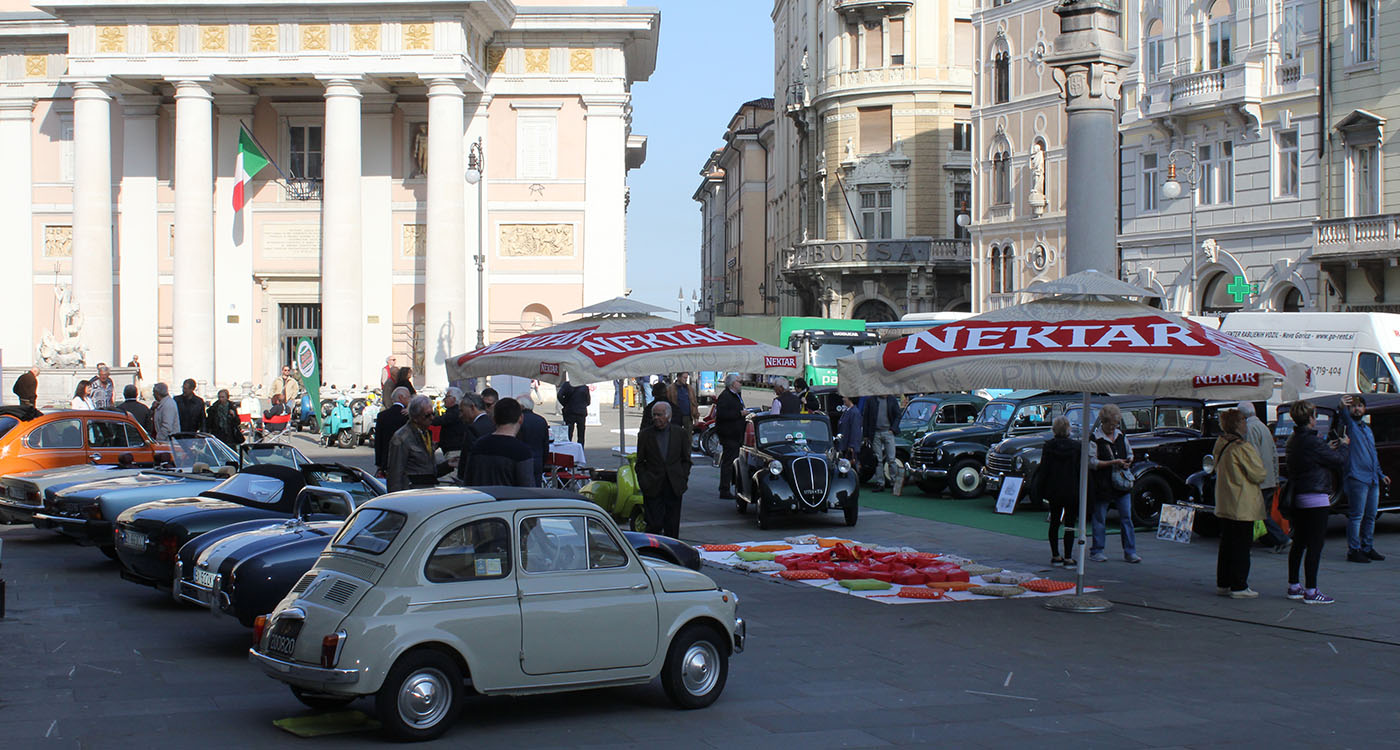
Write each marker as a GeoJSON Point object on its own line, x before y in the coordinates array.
{"type": "Point", "coordinates": [846, 571]}
{"type": "Point", "coordinates": [881, 575]}
{"type": "Point", "coordinates": [934, 574]}
{"type": "Point", "coordinates": [909, 592]}
{"type": "Point", "coordinates": [803, 575]}
{"type": "Point", "coordinates": [908, 577]}
{"type": "Point", "coordinates": [958, 575]}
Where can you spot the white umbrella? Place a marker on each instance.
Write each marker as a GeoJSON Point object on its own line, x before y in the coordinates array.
{"type": "Point", "coordinates": [616, 339]}
{"type": "Point", "coordinates": [1087, 335]}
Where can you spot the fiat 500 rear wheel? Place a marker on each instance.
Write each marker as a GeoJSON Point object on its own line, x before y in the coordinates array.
{"type": "Point", "coordinates": [421, 696]}
{"type": "Point", "coordinates": [697, 666]}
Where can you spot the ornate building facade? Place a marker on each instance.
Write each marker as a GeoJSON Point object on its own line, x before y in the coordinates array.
{"type": "Point", "coordinates": [869, 162]}
{"type": "Point", "coordinates": [1017, 146]}
{"type": "Point", "coordinates": [445, 173]}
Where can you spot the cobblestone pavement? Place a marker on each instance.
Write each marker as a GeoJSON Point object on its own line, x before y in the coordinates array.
{"type": "Point", "coordinates": [90, 660]}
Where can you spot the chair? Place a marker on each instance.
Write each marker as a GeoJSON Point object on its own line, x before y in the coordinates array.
{"type": "Point", "coordinates": [277, 429]}
{"type": "Point", "coordinates": [561, 472]}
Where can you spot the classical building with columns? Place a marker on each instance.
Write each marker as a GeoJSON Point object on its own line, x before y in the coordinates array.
{"type": "Point", "coordinates": [446, 173]}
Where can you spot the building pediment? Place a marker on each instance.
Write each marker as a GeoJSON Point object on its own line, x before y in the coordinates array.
{"type": "Point", "coordinates": [1361, 127]}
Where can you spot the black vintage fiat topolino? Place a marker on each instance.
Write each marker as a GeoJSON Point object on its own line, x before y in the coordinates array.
{"type": "Point", "coordinates": [788, 465]}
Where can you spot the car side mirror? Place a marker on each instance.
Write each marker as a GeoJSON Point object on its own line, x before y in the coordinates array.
{"type": "Point", "coordinates": [314, 500]}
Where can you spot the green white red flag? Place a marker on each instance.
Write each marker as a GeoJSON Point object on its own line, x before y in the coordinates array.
{"type": "Point", "coordinates": [249, 162]}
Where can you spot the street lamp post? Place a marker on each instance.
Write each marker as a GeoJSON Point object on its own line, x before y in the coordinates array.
{"type": "Point", "coordinates": [476, 172]}
{"type": "Point", "coordinates": [1172, 189]}
{"type": "Point", "coordinates": [680, 304]}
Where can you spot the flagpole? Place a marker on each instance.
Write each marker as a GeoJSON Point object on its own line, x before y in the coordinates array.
{"type": "Point", "coordinates": [263, 149]}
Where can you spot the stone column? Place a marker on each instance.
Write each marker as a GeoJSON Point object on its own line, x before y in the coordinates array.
{"type": "Point", "coordinates": [342, 305]}
{"type": "Point", "coordinates": [233, 250]}
{"type": "Point", "coordinates": [193, 291]}
{"type": "Point", "coordinates": [605, 219]}
{"type": "Point", "coordinates": [137, 236]}
{"type": "Point", "coordinates": [1089, 53]}
{"type": "Point", "coordinates": [92, 219]}
{"type": "Point", "coordinates": [16, 215]}
{"type": "Point", "coordinates": [445, 276]}
{"type": "Point", "coordinates": [377, 233]}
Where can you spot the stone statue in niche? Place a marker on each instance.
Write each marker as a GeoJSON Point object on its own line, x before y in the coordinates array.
{"type": "Point", "coordinates": [1037, 198]}
{"type": "Point", "coordinates": [69, 351]}
{"type": "Point", "coordinates": [850, 149]}
{"type": "Point", "coordinates": [419, 144]}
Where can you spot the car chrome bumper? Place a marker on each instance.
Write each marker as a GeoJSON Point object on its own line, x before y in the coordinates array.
{"type": "Point", "coordinates": [17, 513]}
{"type": "Point", "coordinates": [992, 481]}
{"type": "Point", "coordinates": [302, 672]}
{"type": "Point", "coordinates": [923, 471]}
{"type": "Point", "coordinates": [741, 634]}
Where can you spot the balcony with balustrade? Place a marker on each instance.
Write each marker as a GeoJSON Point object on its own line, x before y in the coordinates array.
{"type": "Point", "coordinates": [872, 9]}
{"type": "Point", "coordinates": [1357, 238]}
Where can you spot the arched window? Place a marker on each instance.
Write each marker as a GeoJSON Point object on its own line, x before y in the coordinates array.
{"type": "Point", "coordinates": [1001, 172]}
{"type": "Point", "coordinates": [1152, 50]}
{"type": "Point", "coordinates": [994, 270]}
{"type": "Point", "coordinates": [874, 311]}
{"type": "Point", "coordinates": [1220, 27]}
{"type": "Point", "coordinates": [1290, 299]}
{"type": "Point", "coordinates": [1008, 269]}
{"type": "Point", "coordinates": [1001, 71]}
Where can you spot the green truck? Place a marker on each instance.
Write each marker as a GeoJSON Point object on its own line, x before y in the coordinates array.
{"type": "Point", "coordinates": [819, 342]}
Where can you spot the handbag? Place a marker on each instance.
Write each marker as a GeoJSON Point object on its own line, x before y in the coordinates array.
{"type": "Point", "coordinates": [1122, 479]}
{"type": "Point", "coordinates": [1286, 498]}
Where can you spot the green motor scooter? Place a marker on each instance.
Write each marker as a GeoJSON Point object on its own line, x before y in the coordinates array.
{"type": "Point", "coordinates": [617, 492]}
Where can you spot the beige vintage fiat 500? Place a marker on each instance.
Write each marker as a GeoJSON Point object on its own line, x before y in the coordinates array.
{"type": "Point", "coordinates": [504, 590]}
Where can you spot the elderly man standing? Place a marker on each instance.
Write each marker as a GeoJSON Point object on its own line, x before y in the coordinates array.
{"type": "Point", "coordinates": [411, 451]}
{"type": "Point", "coordinates": [27, 386]}
{"type": "Point", "coordinates": [1257, 434]}
{"type": "Point", "coordinates": [784, 400]}
{"type": "Point", "coordinates": [387, 423]}
{"type": "Point", "coordinates": [451, 428]}
{"type": "Point", "coordinates": [730, 423]}
{"type": "Point", "coordinates": [167, 415]}
{"type": "Point", "coordinates": [534, 432]}
{"type": "Point", "coordinates": [101, 391]}
{"type": "Point", "coordinates": [663, 470]}
{"type": "Point", "coordinates": [138, 411]}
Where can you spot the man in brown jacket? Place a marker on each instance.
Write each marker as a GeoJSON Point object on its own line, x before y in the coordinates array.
{"type": "Point", "coordinates": [663, 470]}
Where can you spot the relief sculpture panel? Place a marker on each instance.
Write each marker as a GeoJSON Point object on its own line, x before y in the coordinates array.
{"type": "Point", "coordinates": [536, 240]}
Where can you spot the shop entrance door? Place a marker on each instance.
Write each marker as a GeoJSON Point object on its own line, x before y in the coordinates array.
{"type": "Point", "coordinates": [293, 322]}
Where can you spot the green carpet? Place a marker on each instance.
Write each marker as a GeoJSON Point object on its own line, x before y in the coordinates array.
{"type": "Point", "coordinates": [977, 513]}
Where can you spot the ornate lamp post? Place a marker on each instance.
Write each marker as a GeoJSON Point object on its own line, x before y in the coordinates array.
{"type": "Point", "coordinates": [1172, 189]}
{"type": "Point", "coordinates": [476, 172]}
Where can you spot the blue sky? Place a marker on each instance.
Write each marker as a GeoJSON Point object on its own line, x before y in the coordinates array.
{"type": "Point", "coordinates": [713, 56]}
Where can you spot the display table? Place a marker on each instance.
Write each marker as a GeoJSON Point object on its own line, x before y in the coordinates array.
{"type": "Point", "coordinates": [569, 448]}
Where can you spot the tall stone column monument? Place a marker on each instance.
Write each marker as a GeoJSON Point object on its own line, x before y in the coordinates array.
{"type": "Point", "coordinates": [1089, 53]}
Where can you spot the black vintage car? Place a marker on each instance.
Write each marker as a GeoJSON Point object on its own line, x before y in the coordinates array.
{"type": "Point", "coordinates": [952, 459]}
{"type": "Point", "coordinates": [244, 569]}
{"type": "Point", "coordinates": [789, 465]}
{"type": "Point", "coordinates": [149, 536]}
{"type": "Point", "coordinates": [1169, 437]}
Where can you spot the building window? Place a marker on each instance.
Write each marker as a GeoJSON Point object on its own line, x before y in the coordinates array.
{"type": "Point", "coordinates": [874, 46]}
{"type": "Point", "coordinates": [876, 212]}
{"type": "Point", "coordinates": [1218, 46]}
{"type": "Point", "coordinates": [304, 152]}
{"type": "Point", "coordinates": [995, 270]}
{"type": "Point", "coordinates": [1149, 182]}
{"type": "Point", "coordinates": [1363, 169]}
{"type": "Point", "coordinates": [876, 129]}
{"type": "Point", "coordinates": [962, 136]}
{"type": "Point", "coordinates": [1290, 29]}
{"type": "Point", "coordinates": [1286, 170]}
{"type": "Point", "coordinates": [1152, 51]}
{"type": "Point", "coordinates": [1001, 177]}
{"type": "Point", "coordinates": [1362, 30]}
{"type": "Point", "coordinates": [852, 46]}
{"type": "Point", "coordinates": [896, 41]}
{"type": "Point", "coordinates": [1001, 74]}
{"type": "Point", "coordinates": [1008, 269]}
{"type": "Point", "coordinates": [536, 143]}
{"type": "Point", "coordinates": [1217, 182]}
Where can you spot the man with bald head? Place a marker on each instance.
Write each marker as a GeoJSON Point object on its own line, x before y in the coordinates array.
{"type": "Point", "coordinates": [663, 470]}
{"type": "Point", "coordinates": [388, 422]}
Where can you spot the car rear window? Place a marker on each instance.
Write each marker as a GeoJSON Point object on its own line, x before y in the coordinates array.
{"type": "Point", "coordinates": [370, 530]}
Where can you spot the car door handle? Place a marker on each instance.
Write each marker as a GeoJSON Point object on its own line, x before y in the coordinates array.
{"type": "Point", "coordinates": [95, 457]}
{"type": "Point", "coordinates": [640, 587]}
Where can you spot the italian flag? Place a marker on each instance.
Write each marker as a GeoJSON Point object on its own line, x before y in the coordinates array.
{"type": "Point", "coordinates": [249, 162]}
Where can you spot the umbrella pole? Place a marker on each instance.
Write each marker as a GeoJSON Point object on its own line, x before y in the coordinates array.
{"type": "Point", "coordinates": [1079, 602]}
{"type": "Point", "coordinates": [622, 430]}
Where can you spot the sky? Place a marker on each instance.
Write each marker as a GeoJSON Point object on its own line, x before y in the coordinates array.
{"type": "Point", "coordinates": [713, 56]}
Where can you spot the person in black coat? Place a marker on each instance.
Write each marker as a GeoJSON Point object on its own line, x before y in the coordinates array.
{"type": "Point", "coordinates": [386, 424]}
{"type": "Point", "coordinates": [534, 432]}
{"type": "Point", "coordinates": [190, 407]}
{"type": "Point", "coordinates": [138, 411]}
{"type": "Point", "coordinates": [27, 386]}
{"type": "Point", "coordinates": [663, 471]}
{"type": "Point", "coordinates": [730, 424]}
{"type": "Point", "coordinates": [500, 458]}
{"type": "Point", "coordinates": [1056, 480]}
{"type": "Point", "coordinates": [452, 430]}
{"type": "Point", "coordinates": [573, 403]}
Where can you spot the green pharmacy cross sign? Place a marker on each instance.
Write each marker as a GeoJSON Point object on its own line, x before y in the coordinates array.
{"type": "Point", "coordinates": [1241, 289]}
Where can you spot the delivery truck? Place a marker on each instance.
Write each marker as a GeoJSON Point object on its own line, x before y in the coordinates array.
{"type": "Point", "coordinates": [818, 342]}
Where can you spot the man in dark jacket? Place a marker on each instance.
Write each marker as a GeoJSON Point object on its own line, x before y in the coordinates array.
{"type": "Point", "coordinates": [191, 407]}
{"type": "Point", "coordinates": [386, 423]}
{"type": "Point", "coordinates": [784, 400]}
{"type": "Point", "coordinates": [451, 429]}
{"type": "Point", "coordinates": [663, 470]}
{"type": "Point", "coordinates": [729, 427]}
{"type": "Point", "coordinates": [534, 432]}
{"type": "Point", "coordinates": [27, 386]}
{"type": "Point", "coordinates": [850, 430]}
{"type": "Point", "coordinates": [412, 459]}
{"type": "Point", "coordinates": [881, 414]}
{"type": "Point", "coordinates": [573, 403]}
{"type": "Point", "coordinates": [500, 458]}
{"type": "Point", "coordinates": [138, 411]}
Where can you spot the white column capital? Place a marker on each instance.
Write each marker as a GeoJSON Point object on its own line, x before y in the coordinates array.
{"type": "Point", "coordinates": [446, 86]}
{"type": "Point", "coordinates": [193, 87]}
{"type": "Point", "coordinates": [90, 88]}
{"type": "Point", "coordinates": [16, 108]}
{"type": "Point", "coordinates": [349, 86]}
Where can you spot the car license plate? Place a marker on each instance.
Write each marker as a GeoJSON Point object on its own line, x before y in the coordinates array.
{"type": "Point", "coordinates": [204, 578]}
{"type": "Point", "coordinates": [133, 539]}
{"type": "Point", "coordinates": [283, 639]}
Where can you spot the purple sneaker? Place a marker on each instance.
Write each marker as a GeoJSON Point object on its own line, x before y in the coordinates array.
{"type": "Point", "coordinates": [1317, 597]}
{"type": "Point", "coordinates": [1295, 591]}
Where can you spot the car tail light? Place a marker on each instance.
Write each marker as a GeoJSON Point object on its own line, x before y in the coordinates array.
{"type": "Point", "coordinates": [168, 548]}
{"type": "Point", "coordinates": [259, 625]}
{"type": "Point", "coordinates": [330, 648]}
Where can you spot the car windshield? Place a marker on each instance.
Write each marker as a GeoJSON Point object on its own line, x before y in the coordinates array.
{"type": "Point", "coordinates": [1283, 429]}
{"type": "Point", "coordinates": [272, 455]}
{"type": "Point", "coordinates": [996, 413]}
{"type": "Point", "coordinates": [7, 424]}
{"type": "Point", "coordinates": [186, 452]}
{"type": "Point", "coordinates": [1182, 417]}
{"type": "Point", "coordinates": [826, 354]}
{"type": "Point", "coordinates": [255, 487]}
{"type": "Point", "coordinates": [343, 480]}
{"type": "Point", "coordinates": [815, 432]}
{"type": "Point", "coordinates": [370, 530]}
{"type": "Point", "coordinates": [1135, 419]}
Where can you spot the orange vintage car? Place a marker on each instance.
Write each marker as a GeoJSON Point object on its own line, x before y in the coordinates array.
{"type": "Point", "coordinates": [67, 438]}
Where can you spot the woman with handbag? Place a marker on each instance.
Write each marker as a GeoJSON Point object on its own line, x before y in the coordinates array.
{"type": "Point", "coordinates": [1238, 504]}
{"type": "Point", "coordinates": [1311, 462]}
{"type": "Point", "coordinates": [1113, 484]}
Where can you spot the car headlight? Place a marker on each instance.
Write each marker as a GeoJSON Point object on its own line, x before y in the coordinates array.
{"type": "Point", "coordinates": [843, 466]}
{"type": "Point", "coordinates": [775, 468]}
{"type": "Point", "coordinates": [1019, 463]}
{"type": "Point", "coordinates": [938, 453]}
{"type": "Point", "coordinates": [1208, 463]}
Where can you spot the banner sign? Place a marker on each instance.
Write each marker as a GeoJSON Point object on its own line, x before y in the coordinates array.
{"type": "Point", "coordinates": [309, 368]}
{"type": "Point", "coordinates": [779, 361]}
{"type": "Point", "coordinates": [606, 348]}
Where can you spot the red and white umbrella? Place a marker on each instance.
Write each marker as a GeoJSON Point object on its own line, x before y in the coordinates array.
{"type": "Point", "coordinates": [617, 339]}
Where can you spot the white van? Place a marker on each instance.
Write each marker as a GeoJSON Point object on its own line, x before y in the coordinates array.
{"type": "Point", "coordinates": [1349, 352]}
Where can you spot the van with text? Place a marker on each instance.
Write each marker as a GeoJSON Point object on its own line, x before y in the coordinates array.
{"type": "Point", "coordinates": [1349, 352]}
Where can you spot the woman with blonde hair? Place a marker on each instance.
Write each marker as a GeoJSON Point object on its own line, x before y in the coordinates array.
{"type": "Point", "coordinates": [1111, 455]}
{"type": "Point", "coordinates": [1238, 504]}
